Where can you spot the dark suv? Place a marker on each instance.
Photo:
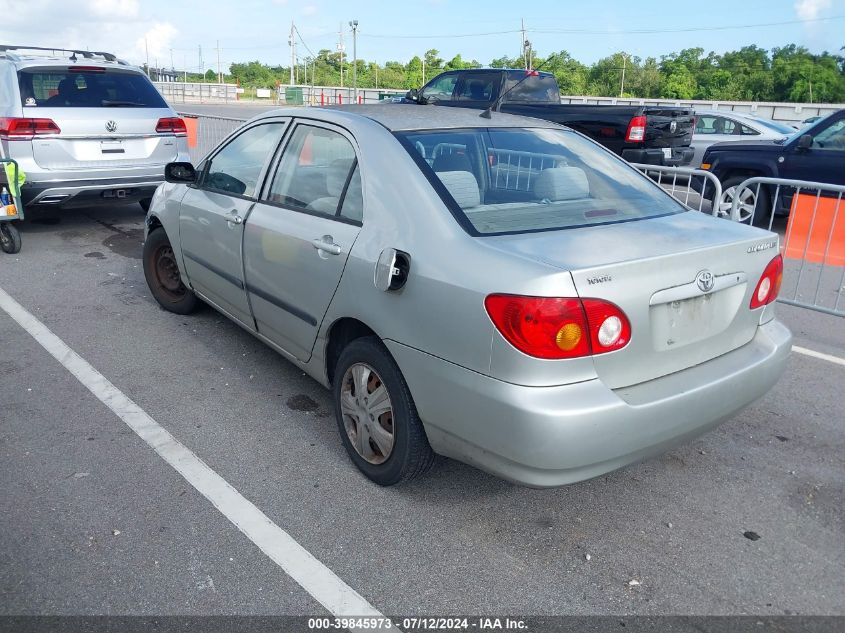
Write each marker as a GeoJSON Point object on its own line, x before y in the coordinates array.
{"type": "Point", "coordinates": [816, 154]}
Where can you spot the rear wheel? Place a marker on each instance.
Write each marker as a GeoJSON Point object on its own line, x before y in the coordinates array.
{"type": "Point", "coordinates": [753, 201]}
{"type": "Point", "coordinates": [376, 415]}
{"type": "Point", "coordinates": [10, 238]}
{"type": "Point", "coordinates": [163, 277]}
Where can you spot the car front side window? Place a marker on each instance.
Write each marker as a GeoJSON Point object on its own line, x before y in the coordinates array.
{"type": "Point", "coordinates": [440, 89]}
{"type": "Point", "coordinates": [832, 137]}
{"type": "Point", "coordinates": [236, 168]}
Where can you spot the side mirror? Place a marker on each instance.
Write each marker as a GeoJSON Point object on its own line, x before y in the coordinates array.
{"type": "Point", "coordinates": [413, 95]}
{"type": "Point", "coordinates": [180, 173]}
{"type": "Point", "coordinates": [805, 142]}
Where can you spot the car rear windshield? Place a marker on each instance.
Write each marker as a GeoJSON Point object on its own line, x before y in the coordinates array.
{"type": "Point", "coordinates": [529, 85]}
{"type": "Point", "coordinates": [519, 180]}
{"type": "Point", "coordinates": [75, 87]}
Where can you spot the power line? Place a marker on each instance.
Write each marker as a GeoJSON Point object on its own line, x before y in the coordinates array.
{"type": "Point", "coordinates": [604, 31]}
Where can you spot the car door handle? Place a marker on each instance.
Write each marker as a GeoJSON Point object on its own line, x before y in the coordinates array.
{"type": "Point", "coordinates": [326, 244]}
{"type": "Point", "coordinates": [233, 218]}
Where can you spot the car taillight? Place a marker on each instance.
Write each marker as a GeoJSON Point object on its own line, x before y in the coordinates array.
{"type": "Point", "coordinates": [172, 125]}
{"type": "Point", "coordinates": [559, 327]}
{"type": "Point", "coordinates": [768, 287]}
{"type": "Point", "coordinates": [636, 130]}
{"type": "Point", "coordinates": [16, 129]}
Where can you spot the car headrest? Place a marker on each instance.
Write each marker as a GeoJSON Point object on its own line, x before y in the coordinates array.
{"type": "Point", "coordinates": [562, 183]}
{"type": "Point", "coordinates": [451, 162]}
{"type": "Point", "coordinates": [463, 187]}
{"type": "Point", "coordinates": [336, 174]}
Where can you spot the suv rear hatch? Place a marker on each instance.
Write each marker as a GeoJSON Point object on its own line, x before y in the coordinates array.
{"type": "Point", "coordinates": [107, 118]}
{"type": "Point", "coordinates": [649, 269]}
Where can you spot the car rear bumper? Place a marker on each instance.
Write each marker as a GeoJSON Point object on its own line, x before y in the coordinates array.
{"type": "Point", "coordinates": [93, 192]}
{"type": "Point", "coordinates": [680, 156]}
{"type": "Point", "coordinates": [551, 436]}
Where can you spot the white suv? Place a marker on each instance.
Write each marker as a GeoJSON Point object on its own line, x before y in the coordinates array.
{"type": "Point", "coordinates": [86, 128]}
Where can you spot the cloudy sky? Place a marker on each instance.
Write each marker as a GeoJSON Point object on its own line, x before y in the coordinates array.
{"type": "Point", "coordinates": [399, 29]}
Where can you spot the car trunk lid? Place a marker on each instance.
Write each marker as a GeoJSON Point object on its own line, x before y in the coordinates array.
{"type": "Point", "coordinates": [655, 271]}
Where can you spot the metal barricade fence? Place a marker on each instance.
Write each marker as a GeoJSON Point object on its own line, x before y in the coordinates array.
{"type": "Point", "coordinates": [207, 132]}
{"type": "Point", "coordinates": [696, 188]}
{"type": "Point", "coordinates": [813, 243]}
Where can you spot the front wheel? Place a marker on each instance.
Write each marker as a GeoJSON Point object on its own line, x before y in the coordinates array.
{"type": "Point", "coordinates": [10, 238]}
{"type": "Point", "coordinates": [376, 415]}
{"type": "Point", "coordinates": [754, 206]}
{"type": "Point", "coordinates": [162, 274]}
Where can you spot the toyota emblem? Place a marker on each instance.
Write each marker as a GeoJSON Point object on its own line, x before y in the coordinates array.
{"type": "Point", "coordinates": [111, 126]}
{"type": "Point", "coordinates": [704, 280]}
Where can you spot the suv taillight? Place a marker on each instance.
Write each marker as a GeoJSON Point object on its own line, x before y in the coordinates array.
{"type": "Point", "coordinates": [16, 129]}
{"type": "Point", "coordinates": [636, 130]}
{"type": "Point", "coordinates": [172, 125]}
{"type": "Point", "coordinates": [559, 327]}
{"type": "Point", "coordinates": [768, 287]}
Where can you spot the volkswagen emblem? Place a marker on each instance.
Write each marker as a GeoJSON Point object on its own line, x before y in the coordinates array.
{"type": "Point", "coordinates": [673, 127]}
{"type": "Point", "coordinates": [111, 126]}
{"type": "Point", "coordinates": [704, 280]}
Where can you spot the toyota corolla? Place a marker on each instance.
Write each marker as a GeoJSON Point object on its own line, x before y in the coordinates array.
{"type": "Point", "coordinates": [500, 290]}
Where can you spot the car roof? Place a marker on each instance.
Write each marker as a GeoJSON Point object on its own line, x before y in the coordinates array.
{"type": "Point", "coordinates": [400, 117]}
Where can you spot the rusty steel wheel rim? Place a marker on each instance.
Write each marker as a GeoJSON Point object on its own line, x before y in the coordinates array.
{"type": "Point", "coordinates": [367, 413]}
{"type": "Point", "coordinates": [167, 273]}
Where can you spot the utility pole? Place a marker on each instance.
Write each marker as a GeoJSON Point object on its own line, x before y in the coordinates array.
{"type": "Point", "coordinates": [423, 66]}
{"type": "Point", "coordinates": [524, 56]}
{"type": "Point", "coordinates": [199, 62]}
{"type": "Point", "coordinates": [340, 51]}
{"type": "Point", "coordinates": [219, 74]}
{"type": "Point", "coordinates": [147, 49]}
{"type": "Point", "coordinates": [354, 25]}
{"type": "Point", "coordinates": [292, 44]}
{"type": "Point", "coordinates": [529, 55]}
{"type": "Point", "coordinates": [622, 85]}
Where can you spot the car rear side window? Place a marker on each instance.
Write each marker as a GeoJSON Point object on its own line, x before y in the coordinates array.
{"type": "Point", "coordinates": [531, 86]}
{"type": "Point", "coordinates": [316, 174]}
{"type": "Point", "coordinates": [87, 87]}
{"type": "Point", "coordinates": [237, 167]}
{"type": "Point", "coordinates": [517, 180]}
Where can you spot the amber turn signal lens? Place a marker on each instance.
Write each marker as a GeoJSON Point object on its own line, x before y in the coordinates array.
{"type": "Point", "coordinates": [568, 337]}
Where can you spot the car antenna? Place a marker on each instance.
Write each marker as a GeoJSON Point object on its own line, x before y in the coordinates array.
{"type": "Point", "coordinates": [488, 113]}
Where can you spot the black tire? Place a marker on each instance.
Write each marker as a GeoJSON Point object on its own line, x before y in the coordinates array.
{"type": "Point", "coordinates": [763, 206]}
{"type": "Point", "coordinates": [411, 455]}
{"type": "Point", "coordinates": [145, 204]}
{"type": "Point", "coordinates": [162, 275]}
{"type": "Point", "coordinates": [10, 238]}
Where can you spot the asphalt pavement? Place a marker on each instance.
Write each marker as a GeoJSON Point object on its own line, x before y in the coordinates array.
{"type": "Point", "coordinates": [94, 521]}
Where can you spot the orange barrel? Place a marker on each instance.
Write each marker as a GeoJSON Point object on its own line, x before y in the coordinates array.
{"type": "Point", "coordinates": [192, 125]}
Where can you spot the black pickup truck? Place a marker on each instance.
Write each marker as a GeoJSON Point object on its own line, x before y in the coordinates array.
{"type": "Point", "coordinates": [656, 135]}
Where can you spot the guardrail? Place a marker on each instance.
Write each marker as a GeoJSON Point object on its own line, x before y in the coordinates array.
{"type": "Point", "coordinates": [684, 185]}
{"type": "Point", "coordinates": [813, 243]}
{"type": "Point", "coordinates": [205, 132]}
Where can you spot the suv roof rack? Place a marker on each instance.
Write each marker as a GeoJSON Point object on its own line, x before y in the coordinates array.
{"type": "Point", "coordinates": [109, 57]}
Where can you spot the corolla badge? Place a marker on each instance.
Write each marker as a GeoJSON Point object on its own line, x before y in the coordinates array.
{"type": "Point", "coordinates": [704, 280]}
{"type": "Point", "coordinates": [111, 126]}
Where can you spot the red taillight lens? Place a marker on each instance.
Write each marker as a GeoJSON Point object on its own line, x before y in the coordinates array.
{"type": "Point", "coordinates": [768, 287]}
{"type": "Point", "coordinates": [172, 125]}
{"type": "Point", "coordinates": [86, 69]}
{"type": "Point", "coordinates": [636, 130]}
{"type": "Point", "coordinates": [558, 327]}
{"type": "Point", "coordinates": [14, 129]}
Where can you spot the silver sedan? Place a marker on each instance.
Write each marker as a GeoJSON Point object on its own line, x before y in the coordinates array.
{"type": "Point", "coordinates": [501, 290]}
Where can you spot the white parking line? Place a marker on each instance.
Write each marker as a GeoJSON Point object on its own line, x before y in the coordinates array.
{"type": "Point", "coordinates": [814, 354]}
{"type": "Point", "coordinates": [317, 579]}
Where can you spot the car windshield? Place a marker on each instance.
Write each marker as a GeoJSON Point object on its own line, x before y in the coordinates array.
{"type": "Point", "coordinates": [95, 87]}
{"type": "Point", "coordinates": [517, 180]}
